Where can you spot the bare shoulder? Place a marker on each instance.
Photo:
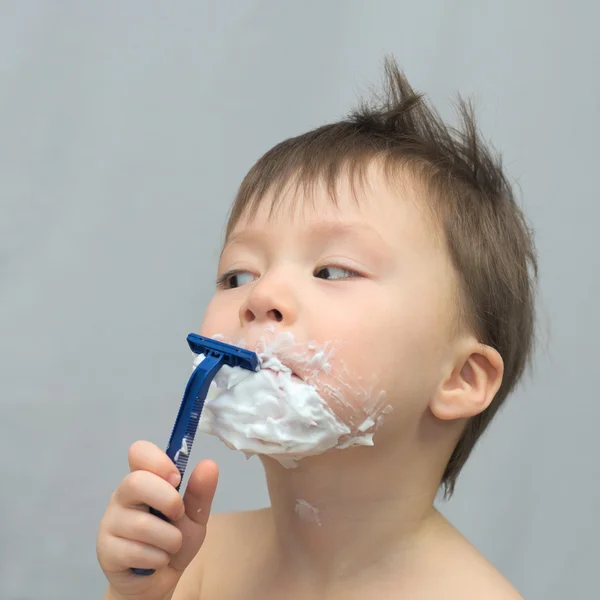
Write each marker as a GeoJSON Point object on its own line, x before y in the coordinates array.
{"type": "Point", "coordinates": [479, 579]}
{"type": "Point", "coordinates": [463, 571]}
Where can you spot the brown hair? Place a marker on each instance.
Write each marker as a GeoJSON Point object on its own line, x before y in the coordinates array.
{"type": "Point", "coordinates": [485, 231]}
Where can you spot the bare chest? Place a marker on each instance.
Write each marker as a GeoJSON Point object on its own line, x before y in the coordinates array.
{"type": "Point", "coordinates": [247, 584]}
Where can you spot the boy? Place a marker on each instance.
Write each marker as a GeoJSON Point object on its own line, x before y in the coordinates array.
{"type": "Point", "coordinates": [390, 248]}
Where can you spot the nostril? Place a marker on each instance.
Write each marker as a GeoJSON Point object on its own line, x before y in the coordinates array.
{"type": "Point", "coordinates": [277, 315]}
{"type": "Point", "coordinates": [249, 316]}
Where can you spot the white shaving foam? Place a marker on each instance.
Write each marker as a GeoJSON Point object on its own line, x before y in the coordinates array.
{"type": "Point", "coordinates": [182, 450]}
{"type": "Point", "coordinates": [307, 512]}
{"type": "Point", "coordinates": [274, 413]}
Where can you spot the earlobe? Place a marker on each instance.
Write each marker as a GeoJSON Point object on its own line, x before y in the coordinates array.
{"type": "Point", "coordinates": [471, 386]}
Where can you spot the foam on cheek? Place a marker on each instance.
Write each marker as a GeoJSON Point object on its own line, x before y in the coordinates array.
{"type": "Point", "coordinates": [273, 413]}
{"type": "Point", "coordinates": [361, 405]}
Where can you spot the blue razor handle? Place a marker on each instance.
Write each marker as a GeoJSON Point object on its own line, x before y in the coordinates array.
{"type": "Point", "coordinates": [182, 437]}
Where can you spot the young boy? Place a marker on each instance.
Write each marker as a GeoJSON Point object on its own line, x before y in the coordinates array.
{"type": "Point", "coordinates": [390, 248]}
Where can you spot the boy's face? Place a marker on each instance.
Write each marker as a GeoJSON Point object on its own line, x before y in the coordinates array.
{"type": "Point", "coordinates": [369, 281]}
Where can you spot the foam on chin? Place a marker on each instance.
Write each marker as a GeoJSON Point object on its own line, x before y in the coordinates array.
{"type": "Point", "coordinates": [271, 412]}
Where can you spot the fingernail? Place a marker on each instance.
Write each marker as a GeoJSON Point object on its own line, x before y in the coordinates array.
{"type": "Point", "coordinates": [174, 479]}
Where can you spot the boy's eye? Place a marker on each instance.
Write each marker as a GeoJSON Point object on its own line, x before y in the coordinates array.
{"type": "Point", "coordinates": [235, 279]}
{"type": "Point", "coordinates": [335, 273]}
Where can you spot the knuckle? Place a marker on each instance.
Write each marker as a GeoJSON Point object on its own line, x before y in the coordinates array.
{"type": "Point", "coordinates": [132, 489]}
{"type": "Point", "coordinates": [103, 526]}
{"type": "Point", "coordinates": [111, 555]}
{"type": "Point", "coordinates": [162, 560]}
{"type": "Point", "coordinates": [100, 549]}
{"type": "Point", "coordinates": [111, 524]}
{"type": "Point", "coordinates": [135, 480]}
{"type": "Point", "coordinates": [134, 450]}
{"type": "Point", "coordinates": [137, 445]}
{"type": "Point", "coordinates": [176, 507]}
{"type": "Point", "coordinates": [176, 542]}
{"type": "Point", "coordinates": [151, 556]}
{"type": "Point", "coordinates": [136, 554]}
{"type": "Point", "coordinates": [144, 526]}
{"type": "Point", "coordinates": [107, 517]}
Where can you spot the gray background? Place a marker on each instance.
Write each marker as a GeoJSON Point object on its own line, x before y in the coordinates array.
{"type": "Point", "coordinates": [125, 128]}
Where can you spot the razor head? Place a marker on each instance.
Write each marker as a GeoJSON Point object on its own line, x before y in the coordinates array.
{"type": "Point", "coordinates": [231, 355]}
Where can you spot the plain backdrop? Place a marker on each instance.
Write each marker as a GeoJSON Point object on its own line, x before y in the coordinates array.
{"type": "Point", "coordinates": [125, 129]}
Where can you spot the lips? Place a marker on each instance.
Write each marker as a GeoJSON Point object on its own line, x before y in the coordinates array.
{"type": "Point", "coordinates": [291, 368]}
{"type": "Point", "coordinates": [293, 374]}
{"type": "Point", "coordinates": [285, 364]}
{"type": "Point", "coordinates": [277, 351]}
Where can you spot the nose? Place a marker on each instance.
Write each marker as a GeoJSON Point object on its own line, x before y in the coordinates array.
{"type": "Point", "coordinates": [269, 301]}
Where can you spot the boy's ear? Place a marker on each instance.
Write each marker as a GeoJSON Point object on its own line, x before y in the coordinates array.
{"type": "Point", "coordinates": [471, 386]}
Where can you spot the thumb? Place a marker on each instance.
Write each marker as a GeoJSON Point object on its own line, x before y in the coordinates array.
{"type": "Point", "coordinates": [197, 499]}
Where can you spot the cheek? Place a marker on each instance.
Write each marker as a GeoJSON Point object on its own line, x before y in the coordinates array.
{"type": "Point", "coordinates": [355, 383]}
{"type": "Point", "coordinates": [219, 318]}
{"type": "Point", "coordinates": [387, 352]}
{"type": "Point", "coordinates": [353, 392]}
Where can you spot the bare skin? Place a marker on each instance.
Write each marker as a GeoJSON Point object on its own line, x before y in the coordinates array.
{"type": "Point", "coordinates": [443, 564]}
{"type": "Point", "coordinates": [375, 276]}
{"type": "Point", "coordinates": [428, 560]}
{"type": "Point", "coordinates": [131, 537]}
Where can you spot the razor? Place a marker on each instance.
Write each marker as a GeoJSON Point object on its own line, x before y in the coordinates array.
{"type": "Point", "coordinates": [182, 437]}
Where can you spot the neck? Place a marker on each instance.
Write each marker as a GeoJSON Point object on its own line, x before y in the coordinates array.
{"type": "Point", "coordinates": [338, 514]}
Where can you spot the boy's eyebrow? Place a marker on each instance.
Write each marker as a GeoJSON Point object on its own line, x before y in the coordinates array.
{"type": "Point", "coordinates": [248, 237]}
{"type": "Point", "coordinates": [322, 229]}
{"type": "Point", "coordinates": [361, 235]}
{"type": "Point", "coordinates": [337, 229]}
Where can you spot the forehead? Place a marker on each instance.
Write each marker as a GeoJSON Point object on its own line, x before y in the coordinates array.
{"type": "Point", "coordinates": [393, 209]}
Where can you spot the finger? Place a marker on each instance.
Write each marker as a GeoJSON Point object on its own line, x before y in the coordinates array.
{"type": "Point", "coordinates": [146, 456]}
{"type": "Point", "coordinates": [198, 498]}
{"type": "Point", "coordinates": [142, 487]}
{"type": "Point", "coordinates": [200, 491]}
{"type": "Point", "coordinates": [119, 554]}
{"type": "Point", "coordinates": [146, 528]}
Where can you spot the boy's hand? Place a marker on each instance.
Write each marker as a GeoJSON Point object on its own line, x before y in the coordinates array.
{"type": "Point", "coordinates": [129, 536]}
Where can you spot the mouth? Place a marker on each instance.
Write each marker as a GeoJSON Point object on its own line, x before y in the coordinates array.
{"type": "Point", "coordinates": [274, 361]}
{"type": "Point", "coordinates": [277, 373]}
{"type": "Point", "coordinates": [288, 369]}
